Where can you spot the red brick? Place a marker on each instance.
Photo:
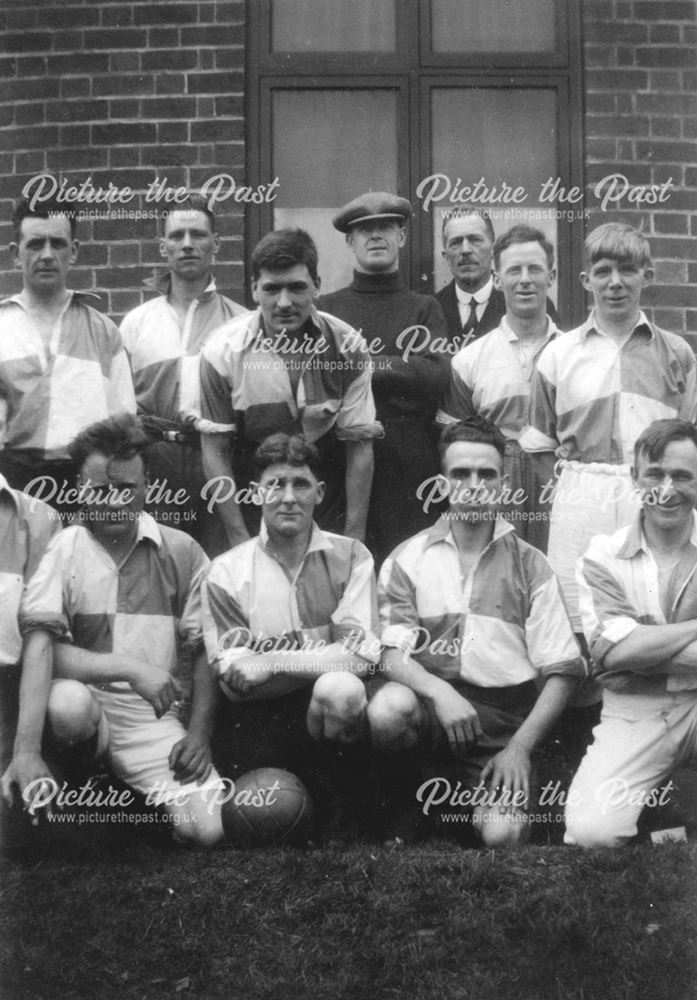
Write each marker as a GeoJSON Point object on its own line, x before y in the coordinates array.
{"type": "Point", "coordinates": [132, 133]}
{"type": "Point", "coordinates": [31, 138]}
{"type": "Point", "coordinates": [75, 86]}
{"type": "Point", "coordinates": [230, 59]}
{"type": "Point", "coordinates": [165, 156]}
{"type": "Point", "coordinates": [124, 62]}
{"type": "Point", "coordinates": [668, 152]}
{"type": "Point", "coordinates": [618, 32]}
{"type": "Point", "coordinates": [671, 319]}
{"type": "Point", "coordinates": [168, 13]}
{"type": "Point", "coordinates": [676, 295]}
{"type": "Point", "coordinates": [163, 38]}
{"type": "Point", "coordinates": [666, 10]}
{"type": "Point", "coordinates": [86, 158]}
{"type": "Point", "coordinates": [25, 114]}
{"type": "Point", "coordinates": [212, 83]}
{"type": "Point", "coordinates": [74, 111]}
{"type": "Point", "coordinates": [210, 35]}
{"type": "Point", "coordinates": [122, 303]}
{"type": "Point", "coordinates": [173, 132]}
{"type": "Point", "coordinates": [664, 34]}
{"type": "Point", "coordinates": [674, 248]}
{"type": "Point", "coordinates": [61, 16]}
{"type": "Point", "coordinates": [206, 59]}
{"type": "Point", "coordinates": [117, 17]}
{"type": "Point", "coordinates": [667, 128]}
{"type": "Point", "coordinates": [121, 254]}
{"type": "Point", "coordinates": [133, 83]}
{"type": "Point", "coordinates": [667, 104]}
{"type": "Point", "coordinates": [168, 107]}
{"type": "Point", "coordinates": [170, 83]}
{"type": "Point", "coordinates": [670, 222]}
{"type": "Point", "coordinates": [116, 38]}
{"type": "Point", "coordinates": [93, 254]}
{"type": "Point", "coordinates": [30, 163]}
{"type": "Point", "coordinates": [671, 272]}
{"type": "Point", "coordinates": [31, 66]}
{"type": "Point", "coordinates": [74, 63]}
{"type": "Point", "coordinates": [617, 79]}
{"type": "Point", "coordinates": [28, 90]}
{"type": "Point", "coordinates": [28, 41]}
{"type": "Point", "coordinates": [174, 59]}
{"type": "Point", "coordinates": [677, 55]}
{"type": "Point", "coordinates": [620, 126]}
{"type": "Point", "coordinates": [74, 135]}
{"type": "Point", "coordinates": [636, 173]}
{"type": "Point", "coordinates": [8, 67]}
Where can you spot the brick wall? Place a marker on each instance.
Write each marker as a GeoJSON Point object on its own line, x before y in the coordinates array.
{"type": "Point", "coordinates": [124, 92]}
{"type": "Point", "coordinates": [641, 122]}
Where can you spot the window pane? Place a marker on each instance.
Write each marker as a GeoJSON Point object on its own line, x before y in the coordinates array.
{"type": "Point", "coordinates": [333, 26]}
{"type": "Point", "coordinates": [480, 26]}
{"type": "Point", "coordinates": [319, 171]}
{"type": "Point", "coordinates": [485, 139]}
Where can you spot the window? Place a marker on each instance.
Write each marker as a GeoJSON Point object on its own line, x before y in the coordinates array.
{"type": "Point", "coordinates": [443, 101]}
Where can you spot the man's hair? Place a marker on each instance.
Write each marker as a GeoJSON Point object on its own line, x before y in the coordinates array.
{"type": "Point", "coordinates": [286, 449]}
{"type": "Point", "coordinates": [464, 213]}
{"type": "Point", "coordinates": [653, 441]}
{"type": "Point", "coordinates": [283, 249]}
{"type": "Point", "coordinates": [45, 210]}
{"type": "Point", "coordinates": [475, 429]}
{"type": "Point", "coordinates": [119, 436]}
{"type": "Point", "coordinates": [618, 241]}
{"type": "Point", "coordinates": [522, 234]}
{"type": "Point", "coordinates": [192, 203]}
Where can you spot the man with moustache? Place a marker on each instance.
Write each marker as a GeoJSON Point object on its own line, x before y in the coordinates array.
{"type": "Point", "coordinates": [472, 304]}
{"type": "Point", "coordinates": [63, 360]}
{"type": "Point", "coordinates": [406, 335]}
{"type": "Point", "coordinates": [288, 367]}
{"type": "Point", "coordinates": [164, 338]}
{"type": "Point", "coordinates": [491, 376]}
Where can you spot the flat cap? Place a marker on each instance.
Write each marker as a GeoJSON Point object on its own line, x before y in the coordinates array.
{"type": "Point", "coordinates": [374, 205]}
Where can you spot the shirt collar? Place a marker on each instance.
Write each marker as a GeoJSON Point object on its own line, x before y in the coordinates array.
{"type": "Point", "coordinates": [441, 531]}
{"type": "Point", "coordinates": [635, 542]}
{"type": "Point", "coordinates": [510, 334]}
{"type": "Point", "coordinates": [163, 284]}
{"type": "Point", "coordinates": [318, 541]}
{"type": "Point", "coordinates": [482, 294]}
{"type": "Point", "coordinates": [642, 324]}
{"type": "Point", "coordinates": [74, 297]}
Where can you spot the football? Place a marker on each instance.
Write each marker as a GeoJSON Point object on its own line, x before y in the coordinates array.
{"type": "Point", "coordinates": [269, 806]}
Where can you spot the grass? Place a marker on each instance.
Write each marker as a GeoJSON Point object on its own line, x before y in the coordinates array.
{"type": "Point", "coordinates": [347, 922]}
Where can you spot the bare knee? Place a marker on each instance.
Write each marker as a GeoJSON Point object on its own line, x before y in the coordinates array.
{"type": "Point", "coordinates": [499, 828]}
{"type": "Point", "coordinates": [337, 709]}
{"type": "Point", "coordinates": [73, 712]}
{"type": "Point", "coordinates": [393, 716]}
{"type": "Point", "coordinates": [590, 829]}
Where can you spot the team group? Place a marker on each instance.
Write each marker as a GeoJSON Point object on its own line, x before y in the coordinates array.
{"type": "Point", "coordinates": [527, 496]}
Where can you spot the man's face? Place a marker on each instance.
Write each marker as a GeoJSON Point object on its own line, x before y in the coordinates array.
{"type": "Point", "coordinates": [113, 495]}
{"type": "Point", "coordinates": [285, 298]}
{"type": "Point", "coordinates": [189, 244]}
{"type": "Point", "coordinates": [468, 249]}
{"type": "Point", "coordinates": [668, 485]}
{"type": "Point", "coordinates": [3, 422]}
{"type": "Point", "coordinates": [376, 244]}
{"type": "Point", "coordinates": [616, 286]}
{"type": "Point", "coordinates": [289, 495]}
{"type": "Point", "coordinates": [44, 253]}
{"type": "Point", "coordinates": [524, 277]}
{"type": "Point", "coordinates": [475, 479]}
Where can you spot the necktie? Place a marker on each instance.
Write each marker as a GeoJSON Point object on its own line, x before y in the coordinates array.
{"type": "Point", "coordinates": [471, 321]}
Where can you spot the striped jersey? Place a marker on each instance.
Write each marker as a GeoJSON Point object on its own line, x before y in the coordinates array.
{"type": "Point", "coordinates": [147, 608]}
{"type": "Point", "coordinates": [26, 527]}
{"type": "Point", "coordinates": [247, 388]}
{"type": "Point", "coordinates": [619, 589]}
{"type": "Point", "coordinates": [250, 605]}
{"type": "Point", "coordinates": [591, 398]}
{"type": "Point", "coordinates": [83, 377]}
{"type": "Point", "coordinates": [501, 626]}
{"type": "Point", "coordinates": [165, 358]}
{"type": "Point", "coordinates": [491, 377]}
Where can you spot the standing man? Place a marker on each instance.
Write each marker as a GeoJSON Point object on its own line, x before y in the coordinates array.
{"type": "Point", "coordinates": [491, 376]}
{"type": "Point", "coordinates": [471, 303]}
{"type": "Point", "coordinates": [638, 601]}
{"type": "Point", "coordinates": [63, 360]}
{"type": "Point", "coordinates": [164, 339]}
{"type": "Point", "coordinates": [594, 391]}
{"type": "Point", "coordinates": [479, 653]}
{"type": "Point", "coordinates": [406, 335]}
{"type": "Point", "coordinates": [287, 367]}
{"type": "Point", "coordinates": [26, 527]}
{"type": "Point", "coordinates": [293, 611]}
{"type": "Point", "coordinates": [114, 603]}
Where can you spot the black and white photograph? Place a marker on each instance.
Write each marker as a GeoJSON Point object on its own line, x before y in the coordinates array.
{"type": "Point", "coordinates": [348, 475]}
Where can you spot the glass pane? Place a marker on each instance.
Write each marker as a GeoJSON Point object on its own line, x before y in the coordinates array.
{"type": "Point", "coordinates": [319, 171]}
{"type": "Point", "coordinates": [333, 26]}
{"type": "Point", "coordinates": [480, 26]}
{"type": "Point", "coordinates": [483, 140]}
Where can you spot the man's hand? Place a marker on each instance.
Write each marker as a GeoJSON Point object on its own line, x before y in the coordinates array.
{"type": "Point", "coordinates": [243, 675]}
{"type": "Point", "coordinates": [190, 759]}
{"type": "Point", "coordinates": [459, 719]}
{"type": "Point", "coordinates": [509, 772]}
{"type": "Point", "coordinates": [155, 685]}
{"type": "Point", "coordinates": [25, 771]}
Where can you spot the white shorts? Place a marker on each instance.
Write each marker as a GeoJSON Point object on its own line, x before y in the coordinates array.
{"type": "Point", "coordinates": [640, 741]}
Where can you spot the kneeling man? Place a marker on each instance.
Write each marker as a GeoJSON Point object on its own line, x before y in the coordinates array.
{"type": "Point", "coordinates": [114, 603]}
{"type": "Point", "coordinates": [479, 652]}
{"type": "Point", "coordinates": [294, 608]}
{"type": "Point", "coordinates": [638, 602]}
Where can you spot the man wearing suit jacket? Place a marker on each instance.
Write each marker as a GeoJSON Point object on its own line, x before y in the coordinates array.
{"type": "Point", "coordinates": [471, 304]}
